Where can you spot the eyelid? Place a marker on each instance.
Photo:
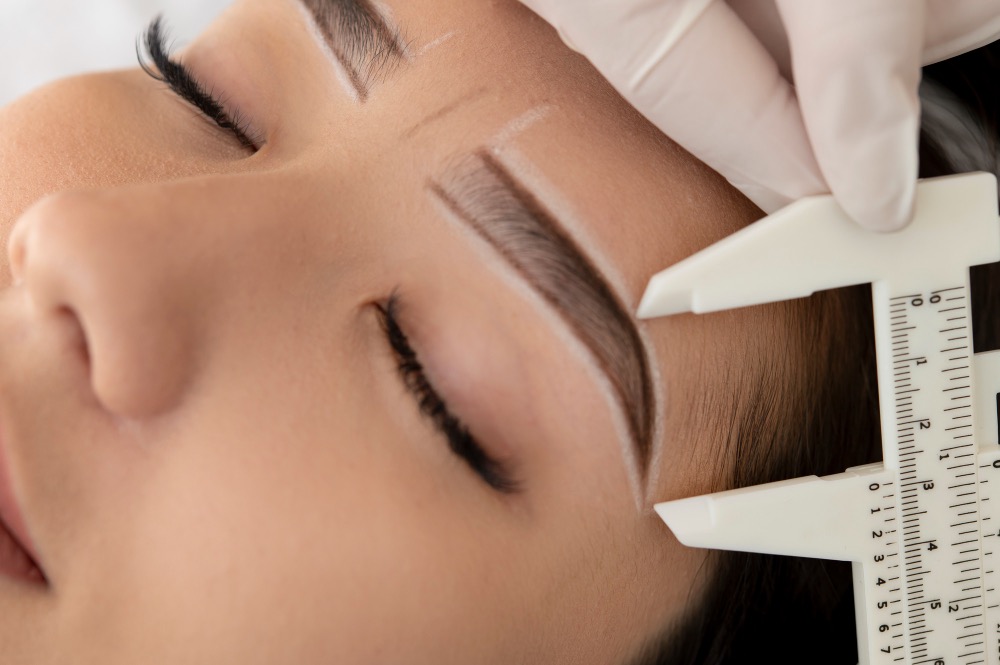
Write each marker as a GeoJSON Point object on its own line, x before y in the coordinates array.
{"type": "Point", "coordinates": [185, 85]}
{"type": "Point", "coordinates": [462, 443]}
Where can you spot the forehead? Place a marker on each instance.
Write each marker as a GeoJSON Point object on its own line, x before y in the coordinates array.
{"type": "Point", "coordinates": [493, 73]}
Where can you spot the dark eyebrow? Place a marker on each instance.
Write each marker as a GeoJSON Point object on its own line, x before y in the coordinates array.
{"type": "Point", "coordinates": [483, 193]}
{"type": "Point", "coordinates": [360, 38]}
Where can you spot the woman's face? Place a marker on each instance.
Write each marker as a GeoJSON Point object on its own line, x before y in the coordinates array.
{"type": "Point", "coordinates": [215, 356]}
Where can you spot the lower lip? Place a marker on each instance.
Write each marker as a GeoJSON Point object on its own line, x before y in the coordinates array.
{"type": "Point", "coordinates": [15, 561]}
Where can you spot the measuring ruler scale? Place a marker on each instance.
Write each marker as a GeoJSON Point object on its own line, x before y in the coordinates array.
{"type": "Point", "coordinates": [923, 526]}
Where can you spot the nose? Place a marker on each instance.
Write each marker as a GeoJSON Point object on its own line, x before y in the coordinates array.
{"type": "Point", "coordinates": [116, 263]}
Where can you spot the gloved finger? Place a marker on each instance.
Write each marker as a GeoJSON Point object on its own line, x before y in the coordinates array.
{"type": "Point", "coordinates": [639, 26]}
{"type": "Point", "coordinates": [764, 21]}
{"type": "Point", "coordinates": [714, 89]}
{"type": "Point", "coordinates": [856, 65]}
{"type": "Point", "coordinates": [952, 27]}
{"type": "Point", "coordinates": [957, 26]}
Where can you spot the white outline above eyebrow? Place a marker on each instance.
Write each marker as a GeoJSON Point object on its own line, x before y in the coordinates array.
{"type": "Point", "coordinates": [483, 194]}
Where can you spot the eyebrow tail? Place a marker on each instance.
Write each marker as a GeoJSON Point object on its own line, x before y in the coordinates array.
{"type": "Point", "coordinates": [502, 211]}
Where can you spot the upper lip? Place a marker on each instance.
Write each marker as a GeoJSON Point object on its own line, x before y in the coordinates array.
{"type": "Point", "coordinates": [10, 511]}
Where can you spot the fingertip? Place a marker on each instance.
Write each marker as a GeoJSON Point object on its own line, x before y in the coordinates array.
{"type": "Point", "coordinates": [885, 224]}
{"type": "Point", "coordinates": [893, 213]}
{"type": "Point", "coordinates": [857, 71]}
{"type": "Point", "coordinates": [875, 179]}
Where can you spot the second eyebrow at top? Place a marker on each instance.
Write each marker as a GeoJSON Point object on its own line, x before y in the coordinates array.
{"type": "Point", "coordinates": [366, 45]}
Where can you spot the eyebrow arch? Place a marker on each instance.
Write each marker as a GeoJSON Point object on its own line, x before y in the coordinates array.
{"type": "Point", "coordinates": [482, 193]}
{"type": "Point", "coordinates": [360, 37]}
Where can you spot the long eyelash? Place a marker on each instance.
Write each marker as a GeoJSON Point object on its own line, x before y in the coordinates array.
{"type": "Point", "coordinates": [153, 44]}
{"type": "Point", "coordinates": [461, 442]}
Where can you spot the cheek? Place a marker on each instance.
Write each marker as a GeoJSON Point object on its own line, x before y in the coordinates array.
{"type": "Point", "coordinates": [308, 531]}
{"type": "Point", "coordinates": [322, 552]}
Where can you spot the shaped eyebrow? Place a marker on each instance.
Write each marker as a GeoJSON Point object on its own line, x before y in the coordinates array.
{"type": "Point", "coordinates": [360, 37]}
{"type": "Point", "coordinates": [501, 210]}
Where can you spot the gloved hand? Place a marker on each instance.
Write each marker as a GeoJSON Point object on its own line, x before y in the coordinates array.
{"type": "Point", "coordinates": [715, 76]}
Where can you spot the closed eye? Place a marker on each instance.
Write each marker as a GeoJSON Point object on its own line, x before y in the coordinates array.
{"type": "Point", "coordinates": [461, 442]}
{"type": "Point", "coordinates": [183, 83]}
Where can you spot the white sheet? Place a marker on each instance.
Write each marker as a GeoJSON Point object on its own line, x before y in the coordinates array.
{"type": "Point", "coordinates": [42, 40]}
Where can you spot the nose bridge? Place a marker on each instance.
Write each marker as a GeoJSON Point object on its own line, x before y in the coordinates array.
{"type": "Point", "coordinates": [137, 266]}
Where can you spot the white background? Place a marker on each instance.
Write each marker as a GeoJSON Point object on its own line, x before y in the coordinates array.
{"type": "Point", "coordinates": [42, 40]}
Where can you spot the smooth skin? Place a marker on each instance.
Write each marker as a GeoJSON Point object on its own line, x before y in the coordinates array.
{"type": "Point", "coordinates": [204, 424]}
{"type": "Point", "coordinates": [786, 98]}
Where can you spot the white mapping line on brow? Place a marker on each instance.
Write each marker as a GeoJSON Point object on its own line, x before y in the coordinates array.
{"type": "Point", "coordinates": [562, 330]}
{"type": "Point", "coordinates": [341, 72]}
{"type": "Point", "coordinates": [499, 204]}
{"type": "Point", "coordinates": [516, 162]}
{"type": "Point", "coordinates": [659, 428]}
{"type": "Point", "coordinates": [520, 124]}
{"type": "Point", "coordinates": [389, 20]}
{"type": "Point", "coordinates": [437, 42]}
{"type": "Point", "coordinates": [367, 47]}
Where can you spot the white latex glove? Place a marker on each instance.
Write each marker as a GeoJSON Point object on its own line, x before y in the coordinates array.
{"type": "Point", "coordinates": [714, 76]}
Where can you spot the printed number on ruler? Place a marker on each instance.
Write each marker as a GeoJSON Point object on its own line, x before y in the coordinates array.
{"type": "Point", "coordinates": [921, 526]}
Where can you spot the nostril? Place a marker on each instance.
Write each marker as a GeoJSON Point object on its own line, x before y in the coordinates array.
{"type": "Point", "coordinates": [67, 316]}
{"type": "Point", "coordinates": [103, 284]}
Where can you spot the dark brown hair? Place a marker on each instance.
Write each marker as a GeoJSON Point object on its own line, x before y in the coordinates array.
{"type": "Point", "coordinates": [770, 609]}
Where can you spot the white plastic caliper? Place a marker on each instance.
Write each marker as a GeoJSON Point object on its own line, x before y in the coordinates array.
{"type": "Point", "coordinates": [923, 526]}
